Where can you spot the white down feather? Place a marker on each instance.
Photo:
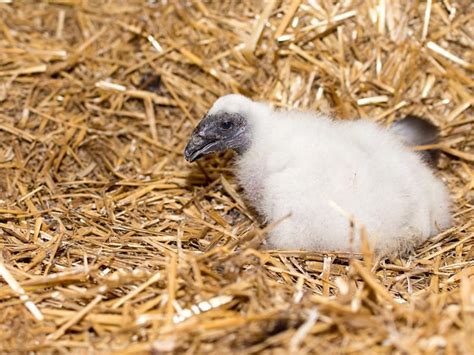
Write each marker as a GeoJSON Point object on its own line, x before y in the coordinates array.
{"type": "Point", "coordinates": [300, 164]}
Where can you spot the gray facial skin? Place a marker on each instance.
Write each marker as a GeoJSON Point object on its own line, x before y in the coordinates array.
{"type": "Point", "coordinates": [217, 133]}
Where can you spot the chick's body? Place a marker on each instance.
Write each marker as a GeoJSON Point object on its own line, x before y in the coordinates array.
{"type": "Point", "coordinates": [303, 170]}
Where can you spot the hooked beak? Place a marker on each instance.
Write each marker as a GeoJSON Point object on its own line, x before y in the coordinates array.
{"type": "Point", "coordinates": [198, 147]}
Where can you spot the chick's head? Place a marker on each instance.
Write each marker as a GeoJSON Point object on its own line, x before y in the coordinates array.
{"type": "Point", "coordinates": [224, 127]}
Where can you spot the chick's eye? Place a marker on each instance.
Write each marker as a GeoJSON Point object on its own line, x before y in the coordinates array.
{"type": "Point", "coordinates": [225, 125]}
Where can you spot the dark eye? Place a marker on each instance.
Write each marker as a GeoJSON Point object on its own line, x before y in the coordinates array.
{"type": "Point", "coordinates": [225, 125]}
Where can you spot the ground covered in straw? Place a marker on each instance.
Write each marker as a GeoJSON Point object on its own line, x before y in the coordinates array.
{"type": "Point", "coordinates": [112, 242]}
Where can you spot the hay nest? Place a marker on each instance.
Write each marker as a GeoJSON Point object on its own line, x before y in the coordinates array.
{"type": "Point", "coordinates": [111, 242]}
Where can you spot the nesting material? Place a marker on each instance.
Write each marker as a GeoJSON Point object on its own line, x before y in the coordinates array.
{"type": "Point", "coordinates": [112, 242]}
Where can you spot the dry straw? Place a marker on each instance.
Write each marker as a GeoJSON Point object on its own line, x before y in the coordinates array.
{"type": "Point", "coordinates": [112, 242]}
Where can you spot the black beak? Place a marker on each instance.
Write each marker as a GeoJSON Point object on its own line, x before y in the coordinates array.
{"type": "Point", "coordinates": [197, 147]}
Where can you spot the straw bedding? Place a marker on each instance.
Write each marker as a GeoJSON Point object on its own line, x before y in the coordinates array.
{"type": "Point", "coordinates": [111, 242]}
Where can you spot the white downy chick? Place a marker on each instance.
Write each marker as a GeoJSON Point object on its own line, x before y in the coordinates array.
{"type": "Point", "coordinates": [295, 167]}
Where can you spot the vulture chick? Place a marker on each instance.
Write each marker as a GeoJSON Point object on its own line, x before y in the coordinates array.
{"type": "Point", "coordinates": [302, 169]}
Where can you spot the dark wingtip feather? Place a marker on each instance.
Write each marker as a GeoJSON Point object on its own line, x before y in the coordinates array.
{"type": "Point", "coordinates": [415, 131]}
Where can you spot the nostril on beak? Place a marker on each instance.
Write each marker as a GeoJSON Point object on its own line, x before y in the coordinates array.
{"type": "Point", "coordinates": [197, 140]}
